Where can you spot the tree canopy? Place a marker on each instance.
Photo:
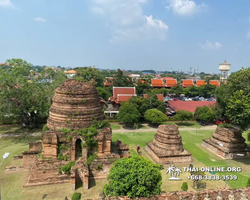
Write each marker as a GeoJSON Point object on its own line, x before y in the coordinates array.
{"type": "Point", "coordinates": [25, 96]}
{"type": "Point", "coordinates": [133, 177]}
{"type": "Point", "coordinates": [155, 116]}
{"type": "Point", "coordinates": [128, 114]}
{"type": "Point", "coordinates": [233, 98]}
{"type": "Point", "coordinates": [204, 113]}
{"type": "Point", "coordinates": [144, 104]}
{"type": "Point", "coordinates": [182, 115]}
{"type": "Point", "coordinates": [120, 80]}
{"type": "Point", "coordinates": [89, 73]}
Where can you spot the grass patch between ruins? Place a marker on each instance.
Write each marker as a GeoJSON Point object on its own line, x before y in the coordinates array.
{"type": "Point", "coordinates": [12, 182]}
{"type": "Point", "coordinates": [184, 124]}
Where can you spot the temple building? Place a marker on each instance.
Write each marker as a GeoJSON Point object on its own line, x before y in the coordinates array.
{"type": "Point", "coordinates": [227, 143]}
{"type": "Point", "coordinates": [76, 107]}
{"type": "Point", "coordinates": [167, 146]}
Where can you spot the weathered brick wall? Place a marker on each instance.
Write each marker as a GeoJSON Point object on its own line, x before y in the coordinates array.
{"type": "Point", "coordinates": [199, 195]}
{"type": "Point", "coordinates": [29, 158]}
{"type": "Point", "coordinates": [35, 146]}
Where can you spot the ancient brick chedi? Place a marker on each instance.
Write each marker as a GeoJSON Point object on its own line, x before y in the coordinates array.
{"type": "Point", "coordinates": [76, 107]}
{"type": "Point", "coordinates": [227, 143]}
{"type": "Point", "coordinates": [167, 146]}
{"type": "Point", "coordinates": [75, 104]}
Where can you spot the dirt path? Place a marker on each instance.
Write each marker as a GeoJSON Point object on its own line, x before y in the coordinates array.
{"type": "Point", "coordinates": [123, 130]}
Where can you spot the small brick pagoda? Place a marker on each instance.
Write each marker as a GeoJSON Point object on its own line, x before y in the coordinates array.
{"type": "Point", "coordinates": [167, 146]}
{"type": "Point", "coordinates": [76, 106]}
{"type": "Point", "coordinates": [227, 143]}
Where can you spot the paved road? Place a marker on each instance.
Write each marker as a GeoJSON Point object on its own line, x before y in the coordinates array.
{"type": "Point", "coordinates": [123, 130]}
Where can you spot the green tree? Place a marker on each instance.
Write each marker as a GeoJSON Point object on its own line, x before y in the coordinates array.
{"type": "Point", "coordinates": [105, 92]}
{"type": "Point", "coordinates": [120, 80]}
{"type": "Point", "coordinates": [144, 104]}
{"type": "Point", "coordinates": [89, 73]}
{"type": "Point", "coordinates": [248, 183]}
{"type": "Point", "coordinates": [184, 186]}
{"type": "Point", "coordinates": [128, 114]}
{"type": "Point", "coordinates": [207, 90]}
{"type": "Point", "coordinates": [133, 177]}
{"type": "Point", "coordinates": [204, 113]}
{"type": "Point", "coordinates": [178, 90]}
{"type": "Point", "coordinates": [24, 99]}
{"type": "Point", "coordinates": [183, 115]}
{"type": "Point", "coordinates": [238, 109]}
{"type": "Point", "coordinates": [141, 88]}
{"type": "Point", "coordinates": [191, 91]}
{"type": "Point", "coordinates": [155, 116]}
{"type": "Point", "coordinates": [228, 105]}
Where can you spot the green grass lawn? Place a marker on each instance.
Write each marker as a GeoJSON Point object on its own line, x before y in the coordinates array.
{"type": "Point", "coordinates": [184, 124]}
{"type": "Point", "coordinates": [115, 126]}
{"type": "Point", "coordinates": [16, 128]}
{"type": "Point", "coordinates": [192, 143]}
{"type": "Point", "coordinates": [12, 182]}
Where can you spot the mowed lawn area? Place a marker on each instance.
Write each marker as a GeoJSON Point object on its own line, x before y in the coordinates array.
{"type": "Point", "coordinates": [201, 157]}
{"type": "Point", "coordinates": [12, 182]}
{"type": "Point", "coordinates": [145, 125]}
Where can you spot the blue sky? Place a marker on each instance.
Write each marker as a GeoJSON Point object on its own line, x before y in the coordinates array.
{"type": "Point", "coordinates": [127, 34]}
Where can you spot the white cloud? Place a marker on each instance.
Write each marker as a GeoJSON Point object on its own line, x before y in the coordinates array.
{"type": "Point", "coordinates": [210, 46]}
{"type": "Point", "coordinates": [128, 22]}
{"type": "Point", "coordinates": [98, 10]}
{"type": "Point", "coordinates": [39, 19]}
{"type": "Point", "coordinates": [6, 3]}
{"type": "Point", "coordinates": [152, 29]}
{"type": "Point", "coordinates": [185, 7]}
{"type": "Point", "coordinates": [248, 35]}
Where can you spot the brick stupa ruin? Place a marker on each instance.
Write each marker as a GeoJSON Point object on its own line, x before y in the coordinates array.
{"type": "Point", "coordinates": [227, 143]}
{"type": "Point", "coordinates": [75, 106]}
{"type": "Point", "coordinates": [167, 146]}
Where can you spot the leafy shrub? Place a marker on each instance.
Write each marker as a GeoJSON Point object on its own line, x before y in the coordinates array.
{"type": "Point", "coordinates": [225, 125]}
{"type": "Point", "coordinates": [62, 146]}
{"type": "Point", "coordinates": [45, 128]}
{"type": "Point", "coordinates": [61, 157]}
{"type": "Point", "coordinates": [133, 177]}
{"type": "Point", "coordinates": [184, 186]}
{"type": "Point", "coordinates": [66, 168]}
{"type": "Point", "coordinates": [248, 183]}
{"type": "Point", "coordinates": [99, 167]}
{"type": "Point", "coordinates": [155, 116]}
{"type": "Point", "coordinates": [76, 196]}
{"type": "Point", "coordinates": [248, 136]}
{"type": "Point", "coordinates": [91, 159]}
{"type": "Point", "coordinates": [204, 113]}
{"type": "Point", "coordinates": [182, 115]}
{"type": "Point", "coordinates": [159, 166]}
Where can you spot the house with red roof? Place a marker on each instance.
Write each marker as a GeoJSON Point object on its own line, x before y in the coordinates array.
{"type": "Point", "coordinates": [159, 96]}
{"type": "Point", "coordinates": [170, 83]}
{"type": "Point", "coordinates": [157, 83]}
{"type": "Point", "coordinates": [189, 105]}
{"type": "Point", "coordinates": [214, 82]}
{"type": "Point", "coordinates": [122, 94]}
{"type": "Point", "coordinates": [201, 82]}
{"type": "Point", "coordinates": [108, 81]}
{"type": "Point", "coordinates": [187, 83]}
